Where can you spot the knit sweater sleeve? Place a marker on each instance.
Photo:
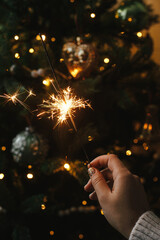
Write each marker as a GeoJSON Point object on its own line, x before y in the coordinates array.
{"type": "Point", "coordinates": [146, 228]}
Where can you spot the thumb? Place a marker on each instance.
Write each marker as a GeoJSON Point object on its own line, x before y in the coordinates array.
{"type": "Point", "coordinates": [99, 184]}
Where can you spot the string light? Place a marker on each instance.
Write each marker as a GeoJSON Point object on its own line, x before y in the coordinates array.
{"type": "Point", "coordinates": [38, 37]}
{"type": "Point", "coordinates": [16, 55]}
{"type": "Point", "coordinates": [122, 33]}
{"type": "Point", "coordinates": [47, 82]}
{"type": "Point", "coordinates": [128, 153]}
{"type": "Point", "coordinates": [135, 140]}
{"type": "Point", "coordinates": [102, 212]}
{"type": "Point", "coordinates": [139, 34]}
{"type": "Point", "coordinates": [43, 37]}
{"type": "Point", "coordinates": [90, 138]}
{"type": "Point", "coordinates": [51, 232]}
{"type": "Point", "coordinates": [116, 16]}
{"type": "Point", "coordinates": [53, 39]}
{"type": "Point", "coordinates": [29, 175]}
{"type": "Point", "coordinates": [43, 206]}
{"type": "Point", "coordinates": [81, 236]}
{"type": "Point", "coordinates": [84, 202]}
{"type": "Point", "coordinates": [3, 148]}
{"type": "Point", "coordinates": [1, 176]}
{"type": "Point", "coordinates": [29, 166]}
{"type": "Point", "coordinates": [101, 68]}
{"type": "Point", "coordinates": [16, 37]}
{"type": "Point", "coordinates": [92, 15]}
{"type": "Point", "coordinates": [106, 60]}
{"type": "Point", "coordinates": [155, 179]}
{"type": "Point", "coordinates": [72, 1]}
{"type": "Point", "coordinates": [31, 50]}
{"type": "Point", "coordinates": [145, 146]}
{"type": "Point", "coordinates": [61, 59]}
{"type": "Point", "coordinates": [130, 19]}
{"type": "Point", "coordinates": [67, 166]}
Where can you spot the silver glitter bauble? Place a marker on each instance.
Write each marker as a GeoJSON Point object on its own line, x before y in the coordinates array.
{"type": "Point", "coordinates": [29, 147]}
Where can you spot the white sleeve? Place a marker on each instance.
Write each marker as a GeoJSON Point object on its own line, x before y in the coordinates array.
{"type": "Point", "coordinates": [146, 228]}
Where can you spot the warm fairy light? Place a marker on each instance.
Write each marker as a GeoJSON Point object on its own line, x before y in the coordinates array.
{"type": "Point", "coordinates": [53, 39]}
{"type": "Point", "coordinates": [145, 126]}
{"type": "Point", "coordinates": [45, 199]}
{"type": "Point", "coordinates": [130, 19]}
{"type": "Point", "coordinates": [150, 127]}
{"type": "Point", "coordinates": [135, 140]}
{"type": "Point", "coordinates": [102, 212]}
{"type": "Point", "coordinates": [128, 153]}
{"type": "Point", "coordinates": [29, 175]}
{"type": "Point", "coordinates": [62, 106]}
{"type": "Point", "coordinates": [43, 37]}
{"type": "Point", "coordinates": [139, 34]}
{"type": "Point", "coordinates": [43, 206]}
{"type": "Point", "coordinates": [81, 236]}
{"type": "Point", "coordinates": [51, 232]}
{"type": "Point", "coordinates": [106, 60]}
{"type": "Point", "coordinates": [84, 202]}
{"type": "Point", "coordinates": [38, 37]}
{"type": "Point", "coordinates": [61, 59]}
{"type": "Point", "coordinates": [16, 37]}
{"type": "Point", "coordinates": [142, 180]}
{"type": "Point", "coordinates": [47, 82]}
{"type": "Point", "coordinates": [92, 15]}
{"type": "Point", "coordinates": [72, 1]}
{"type": "Point", "coordinates": [1, 176]}
{"type": "Point", "coordinates": [31, 50]}
{"type": "Point", "coordinates": [90, 138]}
{"type": "Point", "coordinates": [155, 179]}
{"type": "Point", "coordinates": [29, 166]}
{"type": "Point", "coordinates": [16, 55]}
{"type": "Point", "coordinates": [101, 68]}
{"type": "Point", "coordinates": [67, 166]}
{"type": "Point", "coordinates": [116, 16]}
{"type": "Point", "coordinates": [145, 146]}
{"type": "Point", "coordinates": [3, 148]}
{"type": "Point", "coordinates": [122, 33]}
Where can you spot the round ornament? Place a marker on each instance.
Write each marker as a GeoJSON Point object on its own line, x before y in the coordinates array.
{"type": "Point", "coordinates": [79, 58]}
{"type": "Point", "coordinates": [29, 147]}
{"type": "Point", "coordinates": [34, 74]}
{"type": "Point", "coordinates": [132, 15]}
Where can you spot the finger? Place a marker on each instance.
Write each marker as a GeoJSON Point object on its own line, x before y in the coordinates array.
{"type": "Point", "coordinates": [110, 161]}
{"type": "Point", "coordinates": [93, 196]}
{"type": "Point", "coordinates": [106, 174]}
{"type": "Point", "coordinates": [99, 184]}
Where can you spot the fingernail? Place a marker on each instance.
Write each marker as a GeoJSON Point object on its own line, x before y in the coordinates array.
{"type": "Point", "coordinates": [91, 171]}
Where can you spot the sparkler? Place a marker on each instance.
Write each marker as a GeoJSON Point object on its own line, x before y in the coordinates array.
{"type": "Point", "coordinates": [14, 98]}
{"type": "Point", "coordinates": [63, 105]}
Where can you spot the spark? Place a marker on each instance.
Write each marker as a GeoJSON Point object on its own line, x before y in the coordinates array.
{"type": "Point", "coordinates": [63, 106]}
{"type": "Point", "coordinates": [14, 98]}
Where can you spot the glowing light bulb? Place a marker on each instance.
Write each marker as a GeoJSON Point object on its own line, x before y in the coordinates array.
{"type": "Point", "coordinates": [130, 19]}
{"type": "Point", "coordinates": [92, 15]}
{"type": "Point", "coordinates": [101, 68]}
{"type": "Point", "coordinates": [53, 39]}
{"type": "Point", "coordinates": [135, 140]}
{"type": "Point", "coordinates": [3, 148]}
{"type": "Point", "coordinates": [128, 153]}
{"type": "Point", "coordinates": [81, 236]}
{"type": "Point", "coordinates": [84, 202]}
{"type": "Point", "coordinates": [16, 37]}
{"type": "Point", "coordinates": [75, 72]}
{"type": "Point", "coordinates": [102, 212]}
{"type": "Point", "coordinates": [47, 82]}
{"type": "Point", "coordinates": [116, 16]}
{"type": "Point", "coordinates": [31, 50]}
{"type": "Point", "coordinates": [51, 232]}
{"type": "Point", "coordinates": [16, 55]}
{"type": "Point", "coordinates": [67, 166]}
{"type": "Point", "coordinates": [43, 206]}
{"type": "Point", "coordinates": [61, 59]}
{"type": "Point", "coordinates": [44, 37]}
{"type": "Point", "coordinates": [155, 179]}
{"type": "Point", "coordinates": [29, 175]}
{"type": "Point", "coordinates": [90, 138]}
{"type": "Point", "coordinates": [106, 60]}
{"type": "Point", "coordinates": [1, 176]}
{"type": "Point", "coordinates": [139, 34]}
{"type": "Point", "coordinates": [29, 166]}
{"type": "Point", "coordinates": [38, 38]}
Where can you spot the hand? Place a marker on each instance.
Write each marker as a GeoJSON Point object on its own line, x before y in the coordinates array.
{"type": "Point", "coordinates": [121, 197]}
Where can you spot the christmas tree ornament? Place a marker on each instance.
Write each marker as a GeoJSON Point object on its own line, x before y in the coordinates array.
{"type": "Point", "coordinates": [41, 72]}
{"type": "Point", "coordinates": [34, 74]}
{"type": "Point", "coordinates": [79, 58]}
{"type": "Point", "coordinates": [29, 147]}
{"type": "Point", "coordinates": [132, 15]}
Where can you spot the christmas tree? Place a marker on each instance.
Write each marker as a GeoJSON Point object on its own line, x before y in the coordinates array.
{"type": "Point", "coordinates": [101, 56]}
